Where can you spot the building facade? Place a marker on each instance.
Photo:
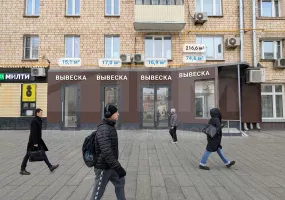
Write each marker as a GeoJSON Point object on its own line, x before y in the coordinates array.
{"type": "Point", "coordinates": [38, 33]}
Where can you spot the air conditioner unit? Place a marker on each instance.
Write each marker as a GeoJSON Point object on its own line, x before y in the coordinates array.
{"type": "Point", "coordinates": [126, 58]}
{"type": "Point", "coordinates": [232, 42]}
{"type": "Point", "coordinates": [280, 63]}
{"type": "Point", "coordinates": [138, 58]}
{"type": "Point", "coordinates": [200, 17]}
{"type": "Point", "coordinates": [255, 76]}
{"type": "Point", "coordinates": [38, 72]}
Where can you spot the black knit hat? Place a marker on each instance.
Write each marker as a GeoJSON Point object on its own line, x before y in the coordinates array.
{"type": "Point", "coordinates": [109, 110]}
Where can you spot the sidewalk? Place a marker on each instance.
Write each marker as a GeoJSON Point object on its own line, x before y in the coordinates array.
{"type": "Point", "coordinates": [156, 169]}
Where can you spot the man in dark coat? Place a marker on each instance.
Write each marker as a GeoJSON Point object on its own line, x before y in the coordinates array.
{"type": "Point", "coordinates": [214, 144]}
{"type": "Point", "coordinates": [36, 141]}
{"type": "Point", "coordinates": [107, 167]}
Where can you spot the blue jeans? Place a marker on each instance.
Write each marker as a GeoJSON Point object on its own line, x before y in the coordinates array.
{"type": "Point", "coordinates": [207, 154]}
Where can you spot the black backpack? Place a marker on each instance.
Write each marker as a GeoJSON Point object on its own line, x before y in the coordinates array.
{"type": "Point", "coordinates": [88, 150]}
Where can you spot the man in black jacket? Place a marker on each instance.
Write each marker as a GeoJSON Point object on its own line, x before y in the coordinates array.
{"type": "Point", "coordinates": [107, 167]}
{"type": "Point", "coordinates": [36, 141]}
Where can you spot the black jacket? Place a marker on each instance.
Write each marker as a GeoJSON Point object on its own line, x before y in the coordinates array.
{"type": "Point", "coordinates": [36, 134]}
{"type": "Point", "coordinates": [106, 146]}
{"type": "Point", "coordinates": [216, 118]}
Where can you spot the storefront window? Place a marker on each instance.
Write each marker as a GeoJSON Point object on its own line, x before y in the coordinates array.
{"type": "Point", "coordinates": [204, 98]}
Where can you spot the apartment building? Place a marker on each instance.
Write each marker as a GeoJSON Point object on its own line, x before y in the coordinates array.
{"type": "Point", "coordinates": [146, 56]}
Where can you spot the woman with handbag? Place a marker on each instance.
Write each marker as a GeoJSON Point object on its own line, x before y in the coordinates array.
{"type": "Point", "coordinates": [36, 146]}
{"type": "Point", "coordinates": [214, 143]}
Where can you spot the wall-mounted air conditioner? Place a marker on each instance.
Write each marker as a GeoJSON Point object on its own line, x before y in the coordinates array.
{"type": "Point", "coordinates": [232, 42]}
{"type": "Point", "coordinates": [138, 58]}
{"type": "Point", "coordinates": [126, 58]}
{"type": "Point", "coordinates": [255, 76]}
{"type": "Point", "coordinates": [200, 17]}
{"type": "Point", "coordinates": [38, 72]}
{"type": "Point", "coordinates": [280, 63]}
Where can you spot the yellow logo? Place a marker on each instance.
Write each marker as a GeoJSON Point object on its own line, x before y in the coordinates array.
{"type": "Point", "coordinates": [28, 92]}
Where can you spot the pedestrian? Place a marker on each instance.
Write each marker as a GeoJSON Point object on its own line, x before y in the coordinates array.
{"type": "Point", "coordinates": [107, 167]}
{"type": "Point", "coordinates": [214, 144]}
{"type": "Point", "coordinates": [173, 125]}
{"type": "Point", "coordinates": [35, 140]}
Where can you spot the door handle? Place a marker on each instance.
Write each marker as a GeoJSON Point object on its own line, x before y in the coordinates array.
{"type": "Point", "coordinates": [103, 105]}
{"type": "Point", "coordinates": [62, 111]}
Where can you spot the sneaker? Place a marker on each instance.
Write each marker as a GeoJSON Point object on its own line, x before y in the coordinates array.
{"type": "Point", "coordinates": [230, 164]}
{"type": "Point", "coordinates": [24, 172]}
{"type": "Point", "coordinates": [204, 167]}
{"type": "Point", "coordinates": [53, 167]}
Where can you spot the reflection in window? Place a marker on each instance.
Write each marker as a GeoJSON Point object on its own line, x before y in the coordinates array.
{"type": "Point", "coordinates": [204, 98]}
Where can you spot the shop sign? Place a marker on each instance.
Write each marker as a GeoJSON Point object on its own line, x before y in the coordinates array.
{"type": "Point", "coordinates": [156, 62]}
{"type": "Point", "coordinates": [110, 62]}
{"type": "Point", "coordinates": [156, 77]}
{"type": "Point", "coordinates": [194, 48]}
{"type": "Point", "coordinates": [70, 77]}
{"type": "Point", "coordinates": [112, 78]}
{"type": "Point", "coordinates": [192, 58]}
{"type": "Point", "coordinates": [69, 62]}
{"type": "Point", "coordinates": [15, 76]}
{"type": "Point", "coordinates": [28, 92]}
{"type": "Point", "coordinates": [194, 74]}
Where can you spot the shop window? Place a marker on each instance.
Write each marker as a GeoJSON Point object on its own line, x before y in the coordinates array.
{"type": "Point", "coordinates": [204, 98]}
{"type": "Point", "coordinates": [72, 46]}
{"type": "Point", "coordinates": [269, 8]}
{"type": "Point", "coordinates": [28, 108]}
{"type": "Point", "coordinates": [214, 46]}
{"type": "Point", "coordinates": [271, 49]}
{"type": "Point", "coordinates": [73, 7]}
{"type": "Point", "coordinates": [159, 2]}
{"type": "Point", "coordinates": [112, 46]}
{"type": "Point", "coordinates": [31, 45]}
{"type": "Point", "coordinates": [32, 7]}
{"type": "Point", "coordinates": [272, 101]}
{"type": "Point", "coordinates": [211, 7]}
{"type": "Point", "coordinates": [28, 99]}
{"type": "Point", "coordinates": [158, 47]}
{"type": "Point", "coordinates": [112, 7]}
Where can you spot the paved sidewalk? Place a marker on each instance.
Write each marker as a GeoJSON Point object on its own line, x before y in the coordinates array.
{"type": "Point", "coordinates": [156, 169]}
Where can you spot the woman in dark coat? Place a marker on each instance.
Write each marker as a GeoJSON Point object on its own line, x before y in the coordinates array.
{"type": "Point", "coordinates": [214, 144]}
{"type": "Point", "coordinates": [36, 141]}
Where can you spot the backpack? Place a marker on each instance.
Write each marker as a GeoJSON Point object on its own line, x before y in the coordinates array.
{"type": "Point", "coordinates": [88, 150]}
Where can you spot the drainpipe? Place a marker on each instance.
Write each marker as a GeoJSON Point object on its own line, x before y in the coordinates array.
{"type": "Point", "coordinates": [254, 33]}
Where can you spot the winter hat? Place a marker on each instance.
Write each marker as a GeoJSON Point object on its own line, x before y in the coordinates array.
{"type": "Point", "coordinates": [109, 110]}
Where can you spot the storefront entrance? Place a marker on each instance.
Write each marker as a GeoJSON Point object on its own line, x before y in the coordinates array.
{"type": "Point", "coordinates": [155, 102]}
{"type": "Point", "coordinates": [110, 94]}
{"type": "Point", "coordinates": [70, 107]}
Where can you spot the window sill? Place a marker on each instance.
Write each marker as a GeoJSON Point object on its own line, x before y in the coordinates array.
{"type": "Point", "coordinates": [216, 16]}
{"type": "Point", "coordinates": [273, 120]}
{"type": "Point", "coordinates": [34, 60]}
{"type": "Point", "coordinates": [215, 60]}
{"type": "Point", "coordinates": [270, 18]}
{"type": "Point", "coordinates": [112, 16]}
{"type": "Point", "coordinates": [76, 16]}
{"type": "Point", "coordinates": [31, 16]}
{"type": "Point", "coordinates": [267, 60]}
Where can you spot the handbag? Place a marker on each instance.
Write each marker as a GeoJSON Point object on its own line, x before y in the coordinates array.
{"type": "Point", "coordinates": [210, 130]}
{"type": "Point", "coordinates": [36, 155]}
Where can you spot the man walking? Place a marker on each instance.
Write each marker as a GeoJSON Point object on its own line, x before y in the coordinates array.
{"type": "Point", "coordinates": [35, 140]}
{"type": "Point", "coordinates": [173, 125]}
{"type": "Point", "coordinates": [107, 167]}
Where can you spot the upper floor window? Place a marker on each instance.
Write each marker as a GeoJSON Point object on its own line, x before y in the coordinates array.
{"type": "Point", "coordinates": [31, 46]}
{"type": "Point", "coordinates": [73, 7]}
{"type": "Point", "coordinates": [72, 46]}
{"type": "Point", "coordinates": [112, 46]}
{"type": "Point", "coordinates": [33, 7]}
{"type": "Point", "coordinates": [211, 7]}
{"type": "Point", "coordinates": [271, 49]}
{"type": "Point", "coordinates": [112, 7]}
{"type": "Point", "coordinates": [214, 46]}
{"type": "Point", "coordinates": [158, 47]}
{"type": "Point", "coordinates": [269, 8]}
{"type": "Point", "coordinates": [159, 2]}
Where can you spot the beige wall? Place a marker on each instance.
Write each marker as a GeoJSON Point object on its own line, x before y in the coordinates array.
{"type": "Point", "coordinates": [42, 97]}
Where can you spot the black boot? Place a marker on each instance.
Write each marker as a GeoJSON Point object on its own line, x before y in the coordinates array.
{"type": "Point", "coordinates": [230, 164]}
{"type": "Point", "coordinates": [24, 172]}
{"type": "Point", "coordinates": [204, 167]}
{"type": "Point", "coordinates": [53, 167]}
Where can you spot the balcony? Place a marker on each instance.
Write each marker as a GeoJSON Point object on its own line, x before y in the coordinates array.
{"type": "Point", "coordinates": [159, 18]}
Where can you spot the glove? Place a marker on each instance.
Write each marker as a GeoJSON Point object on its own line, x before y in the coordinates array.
{"type": "Point", "coordinates": [121, 172]}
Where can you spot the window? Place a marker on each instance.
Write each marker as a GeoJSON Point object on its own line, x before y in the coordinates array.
{"type": "Point", "coordinates": [31, 45]}
{"type": "Point", "coordinates": [112, 46]}
{"type": "Point", "coordinates": [214, 46]}
{"type": "Point", "coordinates": [271, 49]}
{"type": "Point", "coordinates": [211, 7]}
{"type": "Point", "coordinates": [204, 98]}
{"type": "Point", "coordinates": [268, 8]}
{"type": "Point", "coordinates": [159, 2]}
{"type": "Point", "coordinates": [72, 47]}
{"type": "Point", "coordinates": [112, 7]}
{"type": "Point", "coordinates": [272, 101]}
{"type": "Point", "coordinates": [33, 7]}
{"type": "Point", "coordinates": [158, 47]}
{"type": "Point", "coordinates": [73, 7]}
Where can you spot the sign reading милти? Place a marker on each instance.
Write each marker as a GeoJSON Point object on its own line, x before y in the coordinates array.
{"type": "Point", "coordinates": [14, 77]}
